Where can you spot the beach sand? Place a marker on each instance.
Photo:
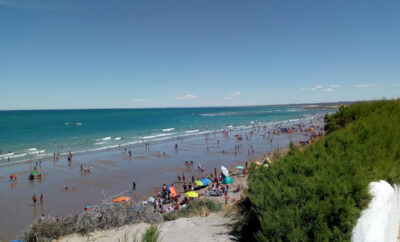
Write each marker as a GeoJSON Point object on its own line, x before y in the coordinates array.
{"type": "Point", "coordinates": [214, 227]}
{"type": "Point", "coordinates": [112, 173]}
{"type": "Point", "coordinates": [209, 227]}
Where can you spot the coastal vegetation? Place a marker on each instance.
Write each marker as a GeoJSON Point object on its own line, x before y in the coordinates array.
{"type": "Point", "coordinates": [194, 208]}
{"type": "Point", "coordinates": [318, 193]}
{"type": "Point", "coordinates": [103, 216]}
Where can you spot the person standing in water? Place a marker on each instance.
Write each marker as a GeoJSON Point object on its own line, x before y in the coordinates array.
{"type": "Point", "coordinates": [41, 198]}
{"type": "Point", "coordinates": [134, 186]}
{"type": "Point", "coordinates": [34, 198]}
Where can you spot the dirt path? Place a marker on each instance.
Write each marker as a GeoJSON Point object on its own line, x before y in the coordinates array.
{"type": "Point", "coordinates": [214, 227]}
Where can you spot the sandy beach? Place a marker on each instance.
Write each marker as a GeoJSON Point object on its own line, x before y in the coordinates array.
{"type": "Point", "coordinates": [112, 173]}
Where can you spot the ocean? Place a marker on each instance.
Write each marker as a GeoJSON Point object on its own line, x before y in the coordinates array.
{"type": "Point", "coordinates": [36, 134]}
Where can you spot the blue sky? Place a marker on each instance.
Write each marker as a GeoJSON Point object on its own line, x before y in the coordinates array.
{"type": "Point", "coordinates": [110, 54]}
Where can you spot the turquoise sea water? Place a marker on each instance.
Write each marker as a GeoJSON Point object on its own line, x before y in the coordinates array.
{"type": "Point", "coordinates": [26, 135]}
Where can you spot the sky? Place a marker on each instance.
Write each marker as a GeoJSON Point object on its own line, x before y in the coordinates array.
{"type": "Point", "coordinates": [135, 54]}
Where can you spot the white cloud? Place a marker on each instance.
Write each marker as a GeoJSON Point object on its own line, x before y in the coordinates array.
{"type": "Point", "coordinates": [366, 85]}
{"type": "Point", "coordinates": [313, 89]}
{"type": "Point", "coordinates": [396, 84]}
{"type": "Point", "coordinates": [138, 100]}
{"type": "Point", "coordinates": [187, 96]}
{"type": "Point", "coordinates": [329, 89]}
{"type": "Point", "coordinates": [334, 86]}
{"type": "Point", "coordinates": [304, 89]}
{"type": "Point", "coordinates": [235, 94]}
{"type": "Point", "coordinates": [232, 94]}
{"type": "Point", "coordinates": [284, 89]}
{"type": "Point", "coordinates": [318, 86]}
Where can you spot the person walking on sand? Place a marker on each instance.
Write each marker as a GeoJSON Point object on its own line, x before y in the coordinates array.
{"type": "Point", "coordinates": [226, 198]}
{"type": "Point", "coordinates": [34, 198]}
{"type": "Point", "coordinates": [134, 186]}
{"type": "Point", "coordinates": [41, 199]}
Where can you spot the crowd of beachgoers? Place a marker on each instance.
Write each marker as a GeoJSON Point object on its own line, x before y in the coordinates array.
{"type": "Point", "coordinates": [221, 184]}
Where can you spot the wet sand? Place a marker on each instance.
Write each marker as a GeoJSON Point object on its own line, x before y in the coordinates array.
{"type": "Point", "coordinates": [112, 174]}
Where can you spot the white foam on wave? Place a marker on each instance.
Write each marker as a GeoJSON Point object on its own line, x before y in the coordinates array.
{"type": "Point", "coordinates": [157, 136]}
{"type": "Point", "coordinates": [99, 143]}
{"type": "Point", "coordinates": [7, 155]}
{"type": "Point", "coordinates": [32, 149]}
{"type": "Point", "coordinates": [118, 138]}
{"type": "Point", "coordinates": [19, 155]}
{"type": "Point", "coordinates": [192, 131]}
{"type": "Point", "coordinates": [106, 138]}
{"type": "Point", "coordinates": [167, 130]}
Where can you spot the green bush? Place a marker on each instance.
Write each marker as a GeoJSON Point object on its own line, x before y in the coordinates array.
{"type": "Point", "coordinates": [193, 208]}
{"type": "Point", "coordinates": [152, 234]}
{"type": "Point", "coordinates": [318, 194]}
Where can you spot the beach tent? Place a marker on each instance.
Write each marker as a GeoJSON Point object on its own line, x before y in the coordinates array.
{"type": "Point", "coordinates": [205, 181]}
{"type": "Point", "coordinates": [34, 173]}
{"type": "Point", "coordinates": [198, 183]}
{"type": "Point", "coordinates": [122, 199]}
{"type": "Point", "coordinates": [192, 194]}
{"type": "Point", "coordinates": [172, 192]}
{"type": "Point", "coordinates": [224, 171]}
{"type": "Point", "coordinates": [227, 180]}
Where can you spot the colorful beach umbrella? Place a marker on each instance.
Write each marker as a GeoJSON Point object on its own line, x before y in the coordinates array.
{"type": "Point", "coordinates": [122, 199]}
{"type": "Point", "coordinates": [224, 171]}
{"type": "Point", "coordinates": [257, 163]}
{"type": "Point", "coordinates": [192, 194]}
{"type": "Point", "coordinates": [198, 183]}
{"type": "Point", "coordinates": [240, 167]}
{"type": "Point", "coordinates": [227, 180]}
{"type": "Point", "coordinates": [268, 160]}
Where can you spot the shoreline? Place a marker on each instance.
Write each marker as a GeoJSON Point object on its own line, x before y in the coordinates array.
{"type": "Point", "coordinates": [112, 174]}
{"type": "Point", "coordinates": [216, 225]}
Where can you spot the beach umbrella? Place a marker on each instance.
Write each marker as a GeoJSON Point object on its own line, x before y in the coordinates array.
{"type": "Point", "coordinates": [240, 167]}
{"type": "Point", "coordinates": [192, 194]}
{"type": "Point", "coordinates": [122, 199]}
{"type": "Point", "coordinates": [257, 163]}
{"type": "Point", "coordinates": [198, 183]}
{"type": "Point", "coordinates": [34, 173]}
{"type": "Point", "coordinates": [268, 160]}
{"type": "Point", "coordinates": [208, 180]}
{"type": "Point", "coordinates": [227, 180]}
{"type": "Point", "coordinates": [224, 171]}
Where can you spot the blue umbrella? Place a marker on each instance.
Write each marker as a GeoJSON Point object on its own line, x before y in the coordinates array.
{"type": "Point", "coordinates": [240, 167]}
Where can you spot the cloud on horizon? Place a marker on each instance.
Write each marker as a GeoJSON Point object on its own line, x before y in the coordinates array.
{"type": "Point", "coordinates": [187, 96]}
{"type": "Point", "coordinates": [232, 94]}
{"type": "Point", "coordinates": [366, 85]}
{"type": "Point", "coordinates": [138, 100]}
{"type": "Point", "coordinates": [329, 90]}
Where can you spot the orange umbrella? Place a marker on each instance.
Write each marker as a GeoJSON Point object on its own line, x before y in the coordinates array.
{"type": "Point", "coordinates": [122, 199]}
